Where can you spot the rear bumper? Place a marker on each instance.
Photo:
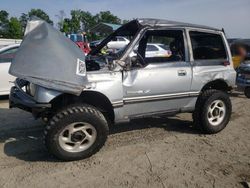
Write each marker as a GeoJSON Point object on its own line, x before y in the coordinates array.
{"type": "Point", "coordinates": [19, 99]}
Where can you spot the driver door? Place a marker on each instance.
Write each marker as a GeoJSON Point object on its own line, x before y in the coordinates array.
{"type": "Point", "coordinates": [162, 85]}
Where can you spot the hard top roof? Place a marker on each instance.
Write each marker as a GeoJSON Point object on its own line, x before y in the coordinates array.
{"type": "Point", "coordinates": [161, 22]}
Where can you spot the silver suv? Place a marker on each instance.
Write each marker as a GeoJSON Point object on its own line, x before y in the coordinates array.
{"type": "Point", "coordinates": [80, 97]}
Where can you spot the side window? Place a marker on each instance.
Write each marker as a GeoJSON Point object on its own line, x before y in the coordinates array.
{"type": "Point", "coordinates": [207, 46]}
{"type": "Point", "coordinates": [151, 48]}
{"type": "Point", "coordinates": [162, 46]}
{"type": "Point", "coordinates": [8, 55]}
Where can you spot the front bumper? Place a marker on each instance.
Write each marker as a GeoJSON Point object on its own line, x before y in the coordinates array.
{"type": "Point", "coordinates": [18, 98]}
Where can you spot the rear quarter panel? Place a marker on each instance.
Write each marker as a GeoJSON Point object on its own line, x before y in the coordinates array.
{"type": "Point", "coordinates": [206, 71]}
{"type": "Point", "coordinates": [205, 74]}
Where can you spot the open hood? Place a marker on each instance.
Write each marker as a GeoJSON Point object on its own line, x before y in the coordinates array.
{"type": "Point", "coordinates": [48, 58]}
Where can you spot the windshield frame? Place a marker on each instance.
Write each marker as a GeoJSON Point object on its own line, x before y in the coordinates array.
{"type": "Point", "coordinates": [133, 25]}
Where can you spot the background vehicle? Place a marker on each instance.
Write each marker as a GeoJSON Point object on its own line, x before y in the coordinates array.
{"type": "Point", "coordinates": [81, 42]}
{"type": "Point", "coordinates": [243, 77]}
{"type": "Point", "coordinates": [155, 50]}
{"type": "Point", "coordinates": [84, 99]}
{"type": "Point", "coordinates": [7, 53]}
{"type": "Point", "coordinates": [94, 44]}
{"type": "Point", "coordinates": [118, 43]}
{"type": "Point", "coordinates": [240, 49]}
{"type": "Point", "coordinates": [6, 42]}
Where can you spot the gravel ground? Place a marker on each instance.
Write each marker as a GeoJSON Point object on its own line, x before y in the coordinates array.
{"type": "Point", "coordinates": [153, 152]}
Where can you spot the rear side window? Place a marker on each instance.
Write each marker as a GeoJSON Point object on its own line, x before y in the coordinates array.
{"type": "Point", "coordinates": [207, 46]}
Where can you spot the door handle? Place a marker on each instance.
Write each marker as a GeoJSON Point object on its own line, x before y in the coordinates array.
{"type": "Point", "coordinates": [182, 73]}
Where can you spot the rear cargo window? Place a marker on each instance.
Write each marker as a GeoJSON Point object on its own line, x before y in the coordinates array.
{"type": "Point", "coordinates": [207, 46]}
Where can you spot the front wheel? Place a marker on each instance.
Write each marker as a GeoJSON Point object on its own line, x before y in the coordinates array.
{"type": "Point", "coordinates": [247, 92]}
{"type": "Point", "coordinates": [76, 133]}
{"type": "Point", "coordinates": [213, 111]}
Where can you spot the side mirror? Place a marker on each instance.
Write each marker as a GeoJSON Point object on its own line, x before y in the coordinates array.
{"type": "Point", "coordinates": [134, 61]}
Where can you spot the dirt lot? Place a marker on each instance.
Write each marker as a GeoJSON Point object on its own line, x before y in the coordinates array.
{"type": "Point", "coordinates": [154, 152]}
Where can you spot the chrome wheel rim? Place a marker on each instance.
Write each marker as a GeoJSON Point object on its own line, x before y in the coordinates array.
{"type": "Point", "coordinates": [77, 137]}
{"type": "Point", "coordinates": [216, 112]}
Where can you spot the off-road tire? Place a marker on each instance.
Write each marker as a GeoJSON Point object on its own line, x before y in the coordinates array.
{"type": "Point", "coordinates": [76, 113]}
{"type": "Point", "coordinates": [201, 109]}
{"type": "Point", "coordinates": [247, 92]}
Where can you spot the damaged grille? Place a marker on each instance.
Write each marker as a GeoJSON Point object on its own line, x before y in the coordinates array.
{"type": "Point", "coordinates": [21, 83]}
{"type": "Point", "coordinates": [26, 86]}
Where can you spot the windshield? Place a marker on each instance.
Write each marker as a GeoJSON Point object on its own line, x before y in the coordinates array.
{"type": "Point", "coordinates": [116, 43]}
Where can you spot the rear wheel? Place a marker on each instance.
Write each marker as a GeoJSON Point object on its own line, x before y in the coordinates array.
{"type": "Point", "coordinates": [76, 132]}
{"type": "Point", "coordinates": [213, 111]}
{"type": "Point", "coordinates": [247, 92]}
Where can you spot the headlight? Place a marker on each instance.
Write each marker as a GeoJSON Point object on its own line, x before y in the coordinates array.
{"type": "Point", "coordinates": [31, 89]}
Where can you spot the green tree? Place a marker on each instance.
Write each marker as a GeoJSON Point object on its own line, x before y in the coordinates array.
{"type": "Point", "coordinates": [23, 20]}
{"type": "Point", "coordinates": [66, 25]}
{"type": "Point", "coordinates": [107, 16]}
{"type": "Point", "coordinates": [75, 23]}
{"type": "Point", "coordinates": [14, 29]}
{"type": "Point", "coordinates": [3, 22]}
{"type": "Point", "coordinates": [3, 17]}
{"type": "Point", "coordinates": [83, 20]}
{"type": "Point", "coordinates": [60, 17]}
{"type": "Point", "coordinates": [88, 20]}
{"type": "Point", "coordinates": [40, 14]}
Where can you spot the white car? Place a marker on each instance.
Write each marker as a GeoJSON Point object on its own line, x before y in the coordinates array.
{"type": "Point", "coordinates": [156, 50]}
{"type": "Point", "coordinates": [118, 43]}
{"type": "Point", "coordinates": [7, 53]}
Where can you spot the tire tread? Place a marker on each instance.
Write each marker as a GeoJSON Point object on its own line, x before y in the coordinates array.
{"type": "Point", "coordinates": [68, 111]}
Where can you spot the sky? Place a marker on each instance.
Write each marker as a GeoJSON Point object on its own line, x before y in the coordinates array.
{"type": "Point", "coordinates": [232, 15]}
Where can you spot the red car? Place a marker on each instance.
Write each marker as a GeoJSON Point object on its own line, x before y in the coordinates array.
{"type": "Point", "coordinates": [81, 42]}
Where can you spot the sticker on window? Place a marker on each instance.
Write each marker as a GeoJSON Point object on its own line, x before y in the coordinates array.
{"type": "Point", "coordinates": [80, 68]}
